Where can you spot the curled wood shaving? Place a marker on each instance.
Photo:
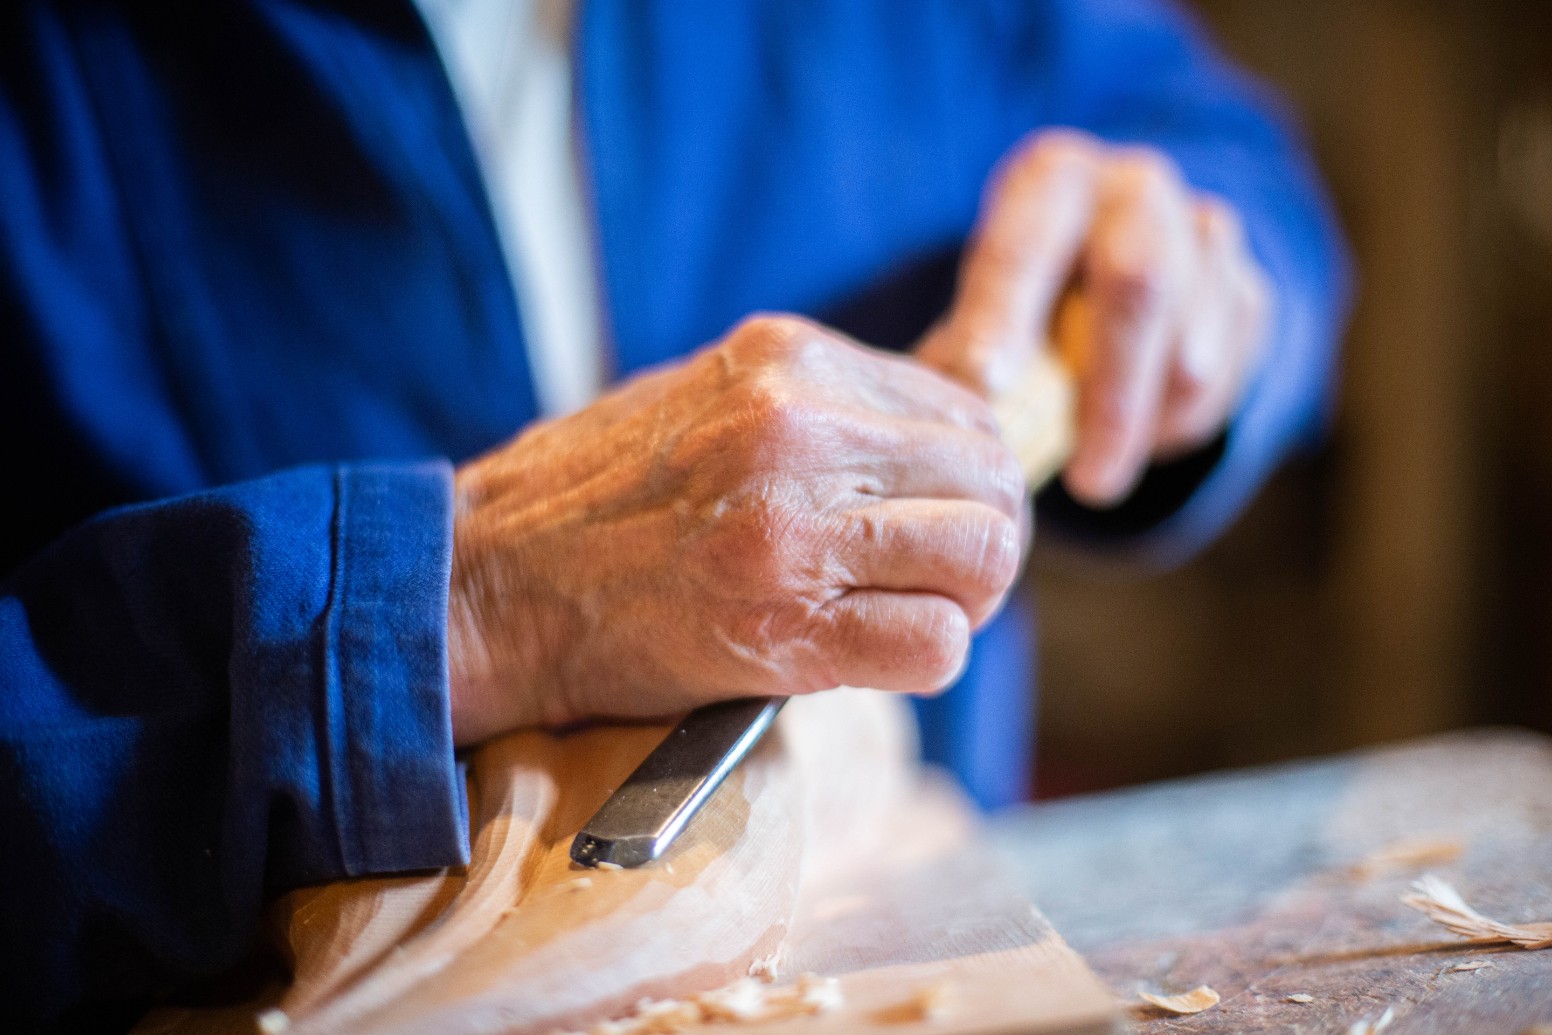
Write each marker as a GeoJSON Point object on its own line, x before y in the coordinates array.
{"type": "Point", "coordinates": [745, 1001]}
{"type": "Point", "coordinates": [1374, 1027]}
{"type": "Point", "coordinates": [1407, 854]}
{"type": "Point", "coordinates": [1440, 902]}
{"type": "Point", "coordinates": [1195, 1001]}
{"type": "Point", "coordinates": [1301, 997]}
{"type": "Point", "coordinates": [766, 968]}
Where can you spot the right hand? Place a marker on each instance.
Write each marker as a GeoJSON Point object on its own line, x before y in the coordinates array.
{"type": "Point", "coordinates": [785, 512]}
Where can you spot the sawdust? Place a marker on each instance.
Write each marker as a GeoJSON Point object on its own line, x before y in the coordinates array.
{"type": "Point", "coordinates": [1300, 997]}
{"type": "Point", "coordinates": [1195, 1001]}
{"type": "Point", "coordinates": [1440, 902]}
{"type": "Point", "coordinates": [746, 1001]}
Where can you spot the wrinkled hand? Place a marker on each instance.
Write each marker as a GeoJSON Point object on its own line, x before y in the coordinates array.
{"type": "Point", "coordinates": [783, 513]}
{"type": "Point", "coordinates": [1148, 289]}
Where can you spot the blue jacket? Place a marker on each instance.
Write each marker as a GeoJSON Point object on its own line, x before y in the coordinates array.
{"type": "Point", "coordinates": [252, 309]}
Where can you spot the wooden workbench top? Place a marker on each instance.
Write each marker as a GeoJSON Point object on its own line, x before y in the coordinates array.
{"type": "Point", "coordinates": [1286, 880]}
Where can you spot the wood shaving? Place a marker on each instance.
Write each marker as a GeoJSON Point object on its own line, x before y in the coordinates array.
{"type": "Point", "coordinates": [766, 968]}
{"type": "Point", "coordinates": [1440, 902]}
{"type": "Point", "coordinates": [1300, 997]}
{"type": "Point", "coordinates": [745, 1001]}
{"type": "Point", "coordinates": [1374, 1027]}
{"type": "Point", "coordinates": [1408, 854]}
{"type": "Point", "coordinates": [931, 1003]}
{"type": "Point", "coordinates": [603, 865]}
{"type": "Point", "coordinates": [1470, 965]}
{"type": "Point", "coordinates": [1195, 1001]}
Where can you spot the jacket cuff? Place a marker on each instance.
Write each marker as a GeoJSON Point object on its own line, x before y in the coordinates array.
{"type": "Point", "coordinates": [400, 800]}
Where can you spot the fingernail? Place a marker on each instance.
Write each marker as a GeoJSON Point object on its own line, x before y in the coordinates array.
{"type": "Point", "coordinates": [1099, 483]}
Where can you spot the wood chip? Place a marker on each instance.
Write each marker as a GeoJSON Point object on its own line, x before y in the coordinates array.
{"type": "Point", "coordinates": [1374, 1027]}
{"type": "Point", "coordinates": [1470, 965]}
{"type": "Point", "coordinates": [745, 1001]}
{"type": "Point", "coordinates": [1412, 853]}
{"type": "Point", "coordinates": [1195, 1001]}
{"type": "Point", "coordinates": [1300, 997]}
{"type": "Point", "coordinates": [602, 865]}
{"type": "Point", "coordinates": [930, 1003]}
{"type": "Point", "coordinates": [766, 968]}
{"type": "Point", "coordinates": [1440, 902]}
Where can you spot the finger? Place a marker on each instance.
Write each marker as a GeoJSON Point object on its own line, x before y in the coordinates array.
{"type": "Point", "coordinates": [966, 552]}
{"type": "Point", "coordinates": [907, 642]}
{"type": "Point", "coordinates": [903, 459]}
{"type": "Point", "coordinates": [1138, 254]}
{"type": "Point", "coordinates": [1203, 370]}
{"type": "Point", "coordinates": [1199, 407]}
{"type": "Point", "coordinates": [1027, 241]}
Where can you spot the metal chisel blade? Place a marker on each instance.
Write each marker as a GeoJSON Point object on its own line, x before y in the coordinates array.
{"type": "Point", "coordinates": [642, 818]}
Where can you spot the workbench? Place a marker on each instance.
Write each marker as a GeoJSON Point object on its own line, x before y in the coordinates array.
{"type": "Point", "coordinates": [1285, 881]}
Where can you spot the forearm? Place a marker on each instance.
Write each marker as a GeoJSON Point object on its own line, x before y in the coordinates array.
{"type": "Point", "coordinates": [211, 697]}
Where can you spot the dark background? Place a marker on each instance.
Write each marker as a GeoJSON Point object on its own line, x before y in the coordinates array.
{"type": "Point", "coordinates": [1400, 581]}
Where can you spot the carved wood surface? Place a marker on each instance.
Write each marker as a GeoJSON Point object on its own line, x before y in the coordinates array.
{"type": "Point", "coordinates": [827, 852]}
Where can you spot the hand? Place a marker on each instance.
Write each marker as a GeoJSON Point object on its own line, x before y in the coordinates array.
{"type": "Point", "coordinates": [783, 513]}
{"type": "Point", "coordinates": [1148, 289]}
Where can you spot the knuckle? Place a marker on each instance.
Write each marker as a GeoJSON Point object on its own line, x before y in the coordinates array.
{"type": "Point", "coordinates": [1221, 223]}
{"type": "Point", "coordinates": [1060, 145]}
{"type": "Point", "coordinates": [767, 337]}
{"type": "Point", "coordinates": [1148, 171]}
{"type": "Point", "coordinates": [1050, 154]}
{"type": "Point", "coordinates": [1133, 289]}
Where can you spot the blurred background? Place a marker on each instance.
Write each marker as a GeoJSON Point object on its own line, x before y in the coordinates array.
{"type": "Point", "coordinates": [1400, 581]}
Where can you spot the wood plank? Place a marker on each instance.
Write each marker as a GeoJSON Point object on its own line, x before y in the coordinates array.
{"type": "Point", "coordinates": [1271, 883]}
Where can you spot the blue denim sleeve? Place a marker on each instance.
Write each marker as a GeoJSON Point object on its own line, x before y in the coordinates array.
{"type": "Point", "coordinates": [1143, 72]}
{"type": "Point", "coordinates": [224, 694]}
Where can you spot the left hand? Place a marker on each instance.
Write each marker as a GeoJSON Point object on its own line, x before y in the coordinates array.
{"type": "Point", "coordinates": [1147, 288]}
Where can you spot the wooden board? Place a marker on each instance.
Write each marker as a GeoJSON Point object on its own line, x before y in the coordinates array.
{"type": "Point", "coordinates": [828, 851]}
{"type": "Point", "coordinates": [1275, 882]}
